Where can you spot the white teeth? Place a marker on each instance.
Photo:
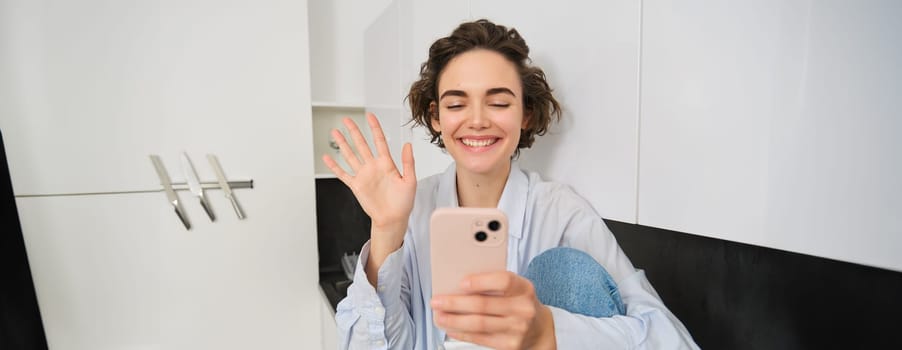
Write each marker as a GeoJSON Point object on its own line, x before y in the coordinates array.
{"type": "Point", "coordinates": [478, 143]}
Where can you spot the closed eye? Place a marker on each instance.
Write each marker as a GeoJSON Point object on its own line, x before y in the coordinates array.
{"type": "Point", "coordinates": [500, 105]}
{"type": "Point", "coordinates": [452, 107]}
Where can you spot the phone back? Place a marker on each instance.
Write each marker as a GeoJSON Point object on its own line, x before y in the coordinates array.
{"type": "Point", "coordinates": [464, 241]}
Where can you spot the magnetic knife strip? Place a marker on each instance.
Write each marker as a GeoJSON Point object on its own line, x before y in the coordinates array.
{"type": "Point", "coordinates": [197, 187]}
{"type": "Point", "coordinates": [192, 183]}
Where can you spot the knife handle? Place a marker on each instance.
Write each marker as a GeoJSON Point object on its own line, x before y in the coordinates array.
{"type": "Point", "coordinates": [237, 207]}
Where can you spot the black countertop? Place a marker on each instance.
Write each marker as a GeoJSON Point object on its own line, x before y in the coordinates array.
{"type": "Point", "coordinates": [334, 284]}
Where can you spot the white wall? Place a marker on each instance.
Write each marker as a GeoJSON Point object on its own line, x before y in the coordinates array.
{"type": "Point", "coordinates": [382, 77]}
{"type": "Point", "coordinates": [775, 123]}
{"type": "Point", "coordinates": [422, 22]}
{"type": "Point", "coordinates": [590, 53]}
{"type": "Point", "coordinates": [764, 122]}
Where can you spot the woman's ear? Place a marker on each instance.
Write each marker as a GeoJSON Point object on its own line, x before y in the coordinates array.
{"type": "Point", "coordinates": [433, 116]}
{"type": "Point", "coordinates": [527, 116]}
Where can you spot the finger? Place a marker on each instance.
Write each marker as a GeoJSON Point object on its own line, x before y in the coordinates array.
{"type": "Point", "coordinates": [493, 341]}
{"type": "Point", "coordinates": [470, 323]}
{"type": "Point", "coordinates": [346, 152]}
{"type": "Point", "coordinates": [495, 283]}
{"type": "Point", "coordinates": [336, 169]}
{"type": "Point", "coordinates": [407, 162]}
{"type": "Point", "coordinates": [359, 141]}
{"type": "Point", "coordinates": [378, 136]}
{"type": "Point", "coordinates": [471, 304]}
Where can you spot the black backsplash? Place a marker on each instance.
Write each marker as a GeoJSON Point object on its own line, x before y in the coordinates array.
{"type": "Point", "coordinates": [342, 227]}
{"type": "Point", "coordinates": [739, 296]}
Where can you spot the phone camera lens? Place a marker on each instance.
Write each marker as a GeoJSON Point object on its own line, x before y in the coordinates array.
{"type": "Point", "coordinates": [494, 225]}
{"type": "Point", "coordinates": [481, 236]}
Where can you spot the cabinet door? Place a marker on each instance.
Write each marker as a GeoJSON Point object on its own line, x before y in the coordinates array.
{"type": "Point", "coordinates": [775, 123]}
{"type": "Point", "coordinates": [337, 50]}
{"type": "Point", "coordinates": [98, 269]}
{"type": "Point", "coordinates": [590, 52]}
{"type": "Point", "coordinates": [118, 272]}
{"type": "Point", "coordinates": [93, 87]}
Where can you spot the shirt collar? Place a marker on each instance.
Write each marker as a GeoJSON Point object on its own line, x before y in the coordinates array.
{"type": "Point", "coordinates": [512, 202]}
{"type": "Point", "coordinates": [447, 188]}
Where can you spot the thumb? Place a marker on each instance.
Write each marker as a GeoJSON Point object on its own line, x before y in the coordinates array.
{"type": "Point", "coordinates": [407, 162]}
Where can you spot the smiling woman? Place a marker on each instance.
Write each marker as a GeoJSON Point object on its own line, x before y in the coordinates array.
{"type": "Point", "coordinates": [567, 285]}
{"type": "Point", "coordinates": [537, 98]}
{"type": "Point", "coordinates": [481, 116]}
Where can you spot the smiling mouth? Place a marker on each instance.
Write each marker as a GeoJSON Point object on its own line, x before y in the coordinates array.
{"type": "Point", "coordinates": [479, 143]}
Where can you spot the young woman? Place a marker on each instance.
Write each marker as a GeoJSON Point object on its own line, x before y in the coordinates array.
{"type": "Point", "coordinates": [482, 102]}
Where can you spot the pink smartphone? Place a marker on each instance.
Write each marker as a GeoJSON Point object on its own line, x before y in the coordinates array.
{"type": "Point", "coordinates": [464, 241]}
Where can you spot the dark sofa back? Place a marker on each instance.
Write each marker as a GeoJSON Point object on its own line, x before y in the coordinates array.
{"type": "Point", "coordinates": [739, 296]}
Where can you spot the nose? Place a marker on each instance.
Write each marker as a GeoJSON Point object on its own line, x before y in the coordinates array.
{"type": "Point", "coordinates": [479, 119]}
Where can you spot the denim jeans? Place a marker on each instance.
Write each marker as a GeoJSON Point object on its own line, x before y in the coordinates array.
{"type": "Point", "coordinates": [572, 280]}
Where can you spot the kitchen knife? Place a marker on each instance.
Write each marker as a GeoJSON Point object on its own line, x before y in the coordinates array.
{"type": "Point", "coordinates": [224, 184]}
{"type": "Point", "coordinates": [194, 185]}
{"type": "Point", "coordinates": [167, 187]}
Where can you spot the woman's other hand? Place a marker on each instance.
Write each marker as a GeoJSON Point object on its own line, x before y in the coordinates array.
{"type": "Point", "coordinates": [500, 311]}
{"type": "Point", "coordinates": [385, 193]}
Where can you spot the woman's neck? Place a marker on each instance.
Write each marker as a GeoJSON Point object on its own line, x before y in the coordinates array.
{"type": "Point", "coordinates": [481, 190]}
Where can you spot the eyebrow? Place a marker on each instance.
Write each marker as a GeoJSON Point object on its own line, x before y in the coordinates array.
{"type": "Point", "coordinates": [489, 92]}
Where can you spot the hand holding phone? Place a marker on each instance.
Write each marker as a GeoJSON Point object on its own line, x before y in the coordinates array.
{"type": "Point", "coordinates": [465, 241]}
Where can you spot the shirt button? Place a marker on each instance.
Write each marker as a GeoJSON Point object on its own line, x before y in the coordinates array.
{"type": "Point", "coordinates": [380, 311]}
{"type": "Point", "coordinates": [379, 343]}
{"type": "Point", "coordinates": [381, 288]}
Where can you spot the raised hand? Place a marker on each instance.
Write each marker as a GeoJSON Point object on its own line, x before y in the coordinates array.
{"type": "Point", "coordinates": [500, 311]}
{"type": "Point", "coordinates": [385, 193]}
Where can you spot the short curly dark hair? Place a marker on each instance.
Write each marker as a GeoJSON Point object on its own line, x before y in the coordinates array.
{"type": "Point", "coordinates": [540, 106]}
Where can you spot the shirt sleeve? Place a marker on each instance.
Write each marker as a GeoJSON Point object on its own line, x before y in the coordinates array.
{"type": "Point", "coordinates": [648, 324]}
{"type": "Point", "coordinates": [377, 318]}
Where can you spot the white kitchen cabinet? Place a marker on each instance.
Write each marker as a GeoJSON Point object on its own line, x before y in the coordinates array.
{"type": "Point", "coordinates": [119, 272]}
{"type": "Point", "coordinates": [338, 58]}
{"type": "Point", "coordinates": [337, 53]}
{"type": "Point", "coordinates": [100, 270]}
{"type": "Point", "coordinates": [774, 123]}
{"type": "Point", "coordinates": [385, 42]}
{"type": "Point", "coordinates": [96, 87]}
{"type": "Point", "coordinates": [90, 89]}
{"type": "Point", "coordinates": [325, 118]}
{"type": "Point", "coordinates": [589, 51]}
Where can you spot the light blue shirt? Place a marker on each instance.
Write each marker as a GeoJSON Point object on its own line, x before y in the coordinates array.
{"type": "Point", "coordinates": [542, 215]}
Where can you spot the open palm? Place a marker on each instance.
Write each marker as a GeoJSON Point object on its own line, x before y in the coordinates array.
{"type": "Point", "coordinates": [385, 193]}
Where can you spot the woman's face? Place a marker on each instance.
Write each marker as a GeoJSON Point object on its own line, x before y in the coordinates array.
{"type": "Point", "coordinates": [480, 110]}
